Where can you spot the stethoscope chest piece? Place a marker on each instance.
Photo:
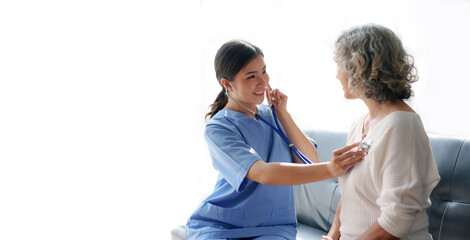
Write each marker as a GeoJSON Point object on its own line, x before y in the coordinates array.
{"type": "Point", "coordinates": [366, 145]}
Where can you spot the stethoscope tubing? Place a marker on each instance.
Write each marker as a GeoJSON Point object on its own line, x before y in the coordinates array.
{"type": "Point", "coordinates": [279, 131]}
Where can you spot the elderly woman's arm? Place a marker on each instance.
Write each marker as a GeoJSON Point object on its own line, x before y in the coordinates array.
{"type": "Point", "coordinates": [334, 234]}
{"type": "Point", "coordinates": [406, 174]}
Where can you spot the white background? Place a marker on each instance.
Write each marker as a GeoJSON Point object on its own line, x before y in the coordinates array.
{"type": "Point", "coordinates": [102, 103]}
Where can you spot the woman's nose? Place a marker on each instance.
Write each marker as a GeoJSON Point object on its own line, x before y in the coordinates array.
{"type": "Point", "coordinates": [264, 81]}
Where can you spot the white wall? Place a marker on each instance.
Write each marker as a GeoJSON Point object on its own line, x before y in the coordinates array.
{"type": "Point", "coordinates": [102, 103]}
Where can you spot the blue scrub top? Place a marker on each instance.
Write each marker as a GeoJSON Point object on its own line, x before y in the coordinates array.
{"type": "Point", "coordinates": [239, 207]}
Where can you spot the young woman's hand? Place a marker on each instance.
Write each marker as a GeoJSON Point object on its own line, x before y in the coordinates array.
{"type": "Point", "coordinates": [277, 98]}
{"type": "Point", "coordinates": [344, 158]}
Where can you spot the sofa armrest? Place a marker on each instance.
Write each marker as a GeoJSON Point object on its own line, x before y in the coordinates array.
{"type": "Point", "coordinates": [178, 233]}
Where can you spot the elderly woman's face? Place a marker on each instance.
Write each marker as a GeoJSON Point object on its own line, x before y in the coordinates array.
{"type": "Point", "coordinates": [343, 78]}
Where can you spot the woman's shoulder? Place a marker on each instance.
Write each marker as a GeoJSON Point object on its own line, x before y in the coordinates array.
{"type": "Point", "coordinates": [402, 123]}
{"type": "Point", "coordinates": [402, 118]}
{"type": "Point", "coordinates": [224, 120]}
{"type": "Point", "coordinates": [219, 119]}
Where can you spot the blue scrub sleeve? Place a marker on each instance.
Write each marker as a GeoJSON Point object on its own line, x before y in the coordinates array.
{"type": "Point", "coordinates": [231, 155]}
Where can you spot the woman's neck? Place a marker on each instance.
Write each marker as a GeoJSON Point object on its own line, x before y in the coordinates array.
{"type": "Point", "coordinates": [374, 108]}
{"type": "Point", "coordinates": [379, 111]}
{"type": "Point", "coordinates": [231, 105]}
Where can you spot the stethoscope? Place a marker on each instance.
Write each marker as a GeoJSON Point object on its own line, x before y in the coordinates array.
{"type": "Point", "coordinates": [277, 129]}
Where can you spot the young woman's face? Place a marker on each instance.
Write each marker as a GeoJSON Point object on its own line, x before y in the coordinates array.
{"type": "Point", "coordinates": [249, 85]}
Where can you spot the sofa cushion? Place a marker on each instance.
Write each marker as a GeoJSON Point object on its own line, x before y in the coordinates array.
{"type": "Point", "coordinates": [316, 202]}
{"type": "Point", "coordinates": [305, 232]}
{"type": "Point", "coordinates": [178, 233]}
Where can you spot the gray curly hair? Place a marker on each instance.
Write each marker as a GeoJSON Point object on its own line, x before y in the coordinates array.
{"type": "Point", "coordinates": [376, 63]}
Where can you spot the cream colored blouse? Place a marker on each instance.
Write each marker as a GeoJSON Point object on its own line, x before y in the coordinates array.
{"type": "Point", "coordinates": [393, 183]}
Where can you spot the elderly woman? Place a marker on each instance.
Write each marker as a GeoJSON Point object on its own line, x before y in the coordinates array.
{"type": "Point", "coordinates": [386, 195]}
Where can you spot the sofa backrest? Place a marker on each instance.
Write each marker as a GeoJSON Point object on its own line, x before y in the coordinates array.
{"type": "Point", "coordinates": [316, 202]}
{"type": "Point", "coordinates": [449, 213]}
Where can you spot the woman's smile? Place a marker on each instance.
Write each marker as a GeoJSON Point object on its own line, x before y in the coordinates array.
{"type": "Point", "coordinates": [260, 93]}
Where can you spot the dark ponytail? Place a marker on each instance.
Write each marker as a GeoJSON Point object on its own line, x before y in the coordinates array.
{"type": "Point", "coordinates": [218, 104]}
{"type": "Point", "coordinates": [229, 60]}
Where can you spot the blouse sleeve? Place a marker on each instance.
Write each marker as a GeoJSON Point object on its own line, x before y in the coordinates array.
{"type": "Point", "coordinates": [230, 154]}
{"type": "Point", "coordinates": [407, 173]}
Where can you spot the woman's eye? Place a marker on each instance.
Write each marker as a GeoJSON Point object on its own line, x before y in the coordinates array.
{"type": "Point", "coordinates": [250, 77]}
{"type": "Point", "coordinates": [264, 72]}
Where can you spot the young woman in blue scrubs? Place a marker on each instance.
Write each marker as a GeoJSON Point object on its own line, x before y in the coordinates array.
{"type": "Point", "coordinates": [253, 197]}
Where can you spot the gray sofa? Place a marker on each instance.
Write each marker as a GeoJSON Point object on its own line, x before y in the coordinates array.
{"type": "Point", "coordinates": [449, 215]}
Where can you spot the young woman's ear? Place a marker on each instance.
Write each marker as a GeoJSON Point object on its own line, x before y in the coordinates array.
{"type": "Point", "coordinates": [226, 84]}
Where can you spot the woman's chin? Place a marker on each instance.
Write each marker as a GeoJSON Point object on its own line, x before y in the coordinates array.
{"type": "Point", "coordinates": [259, 100]}
{"type": "Point", "coordinates": [349, 96]}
